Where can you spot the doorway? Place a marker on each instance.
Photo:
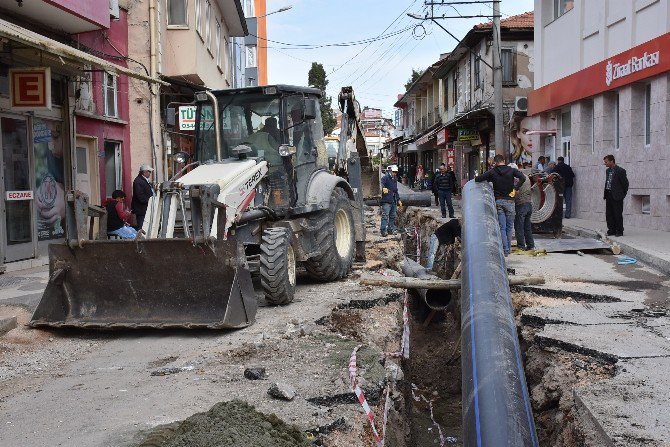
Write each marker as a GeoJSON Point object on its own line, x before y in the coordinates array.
{"type": "Point", "coordinates": [87, 176]}
{"type": "Point", "coordinates": [17, 190]}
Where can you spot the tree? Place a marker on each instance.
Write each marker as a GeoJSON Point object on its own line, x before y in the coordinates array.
{"type": "Point", "coordinates": [317, 78]}
{"type": "Point", "coordinates": [416, 74]}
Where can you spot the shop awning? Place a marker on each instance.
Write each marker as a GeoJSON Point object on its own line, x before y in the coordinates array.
{"type": "Point", "coordinates": [471, 113]}
{"type": "Point", "coordinates": [426, 137]}
{"type": "Point", "coordinates": [29, 38]}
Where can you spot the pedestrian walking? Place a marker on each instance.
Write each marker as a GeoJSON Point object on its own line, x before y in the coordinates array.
{"type": "Point", "coordinates": [142, 192]}
{"type": "Point", "coordinates": [523, 208]}
{"type": "Point", "coordinates": [434, 187]}
{"type": "Point", "coordinates": [568, 176]}
{"type": "Point", "coordinates": [419, 177]}
{"type": "Point", "coordinates": [504, 190]}
{"type": "Point", "coordinates": [451, 173]}
{"type": "Point", "coordinates": [616, 189]}
{"type": "Point", "coordinates": [117, 217]}
{"type": "Point", "coordinates": [445, 187]}
{"type": "Point", "coordinates": [389, 202]}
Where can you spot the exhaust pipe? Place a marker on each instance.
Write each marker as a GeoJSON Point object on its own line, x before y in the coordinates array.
{"type": "Point", "coordinates": [496, 406]}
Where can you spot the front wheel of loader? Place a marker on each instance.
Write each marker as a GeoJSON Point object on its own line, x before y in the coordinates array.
{"type": "Point", "coordinates": [334, 239]}
{"type": "Point", "coordinates": [277, 266]}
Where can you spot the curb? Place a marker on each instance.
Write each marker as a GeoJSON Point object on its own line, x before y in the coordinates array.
{"type": "Point", "coordinates": [654, 261]}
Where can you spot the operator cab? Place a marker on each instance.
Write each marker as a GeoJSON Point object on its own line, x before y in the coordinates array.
{"type": "Point", "coordinates": [277, 124]}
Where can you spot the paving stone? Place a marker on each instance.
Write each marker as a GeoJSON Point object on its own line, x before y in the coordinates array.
{"type": "Point", "coordinates": [582, 313]}
{"type": "Point", "coordinates": [633, 405]}
{"type": "Point", "coordinates": [606, 341]}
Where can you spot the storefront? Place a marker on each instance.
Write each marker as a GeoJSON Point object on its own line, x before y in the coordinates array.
{"type": "Point", "coordinates": [40, 153]}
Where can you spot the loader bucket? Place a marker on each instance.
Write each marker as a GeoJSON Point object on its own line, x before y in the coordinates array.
{"type": "Point", "coordinates": [156, 283]}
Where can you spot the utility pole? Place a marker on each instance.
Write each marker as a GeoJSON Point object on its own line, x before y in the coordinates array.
{"type": "Point", "coordinates": [497, 83]}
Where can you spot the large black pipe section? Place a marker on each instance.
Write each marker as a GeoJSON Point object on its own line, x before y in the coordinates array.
{"type": "Point", "coordinates": [435, 299]}
{"type": "Point", "coordinates": [406, 199]}
{"type": "Point", "coordinates": [496, 406]}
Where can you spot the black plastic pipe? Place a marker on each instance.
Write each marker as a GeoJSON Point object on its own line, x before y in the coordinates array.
{"type": "Point", "coordinates": [435, 299]}
{"type": "Point", "coordinates": [496, 407]}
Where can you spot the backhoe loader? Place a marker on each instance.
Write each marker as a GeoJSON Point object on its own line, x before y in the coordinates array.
{"type": "Point", "coordinates": [256, 196]}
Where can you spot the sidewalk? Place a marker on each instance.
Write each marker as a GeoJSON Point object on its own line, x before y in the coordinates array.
{"type": "Point", "coordinates": [649, 246]}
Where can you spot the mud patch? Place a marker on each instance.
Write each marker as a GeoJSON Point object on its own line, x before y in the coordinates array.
{"type": "Point", "coordinates": [234, 424]}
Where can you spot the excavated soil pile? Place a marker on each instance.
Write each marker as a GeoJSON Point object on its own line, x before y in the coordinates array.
{"type": "Point", "coordinates": [228, 424]}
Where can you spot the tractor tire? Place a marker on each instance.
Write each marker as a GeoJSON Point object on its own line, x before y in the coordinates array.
{"type": "Point", "coordinates": [277, 266]}
{"type": "Point", "coordinates": [334, 234]}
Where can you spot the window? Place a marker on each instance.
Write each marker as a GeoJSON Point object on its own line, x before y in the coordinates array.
{"type": "Point", "coordinates": [112, 167]}
{"type": "Point", "coordinates": [454, 89]}
{"type": "Point", "coordinates": [647, 115]}
{"type": "Point", "coordinates": [208, 27]}
{"type": "Point", "coordinates": [616, 121]}
{"type": "Point", "coordinates": [249, 8]}
{"type": "Point", "coordinates": [508, 66]}
{"type": "Point", "coordinates": [251, 56]}
{"type": "Point", "coordinates": [177, 15]}
{"type": "Point", "coordinates": [109, 95]}
{"type": "Point", "coordinates": [198, 16]}
{"type": "Point", "coordinates": [229, 60]}
{"type": "Point", "coordinates": [218, 44]}
{"type": "Point", "coordinates": [561, 7]}
{"type": "Point", "coordinates": [475, 72]}
{"type": "Point", "coordinates": [566, 124]}
{"type": "Point", "coordinates": [645, 203]}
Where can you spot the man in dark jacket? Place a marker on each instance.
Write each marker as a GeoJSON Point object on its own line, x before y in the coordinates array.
{"type": "Point", "coordinates": [444, 184]}
{"type": "Point", "coordinates": [390, 201]}
{"type": "Point", "coordinates": [504, 191]}
{"type": "Point", "coordinates": [568, 176]}
{"type": "Point", "coordinates": [142, 192]}
{"type": "Point", "coordinates": [616, 188]}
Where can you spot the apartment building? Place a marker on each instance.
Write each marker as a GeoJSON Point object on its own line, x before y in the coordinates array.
{"type": "Point", "coordinates": [602, 76]}
{"type": "Point", "coordinates": [64, 115]}
{"type": "Point", "coordinates": [447, 113]}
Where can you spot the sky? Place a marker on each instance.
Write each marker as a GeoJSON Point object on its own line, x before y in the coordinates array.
{"type": "Point", "coordinates": [377, 70]}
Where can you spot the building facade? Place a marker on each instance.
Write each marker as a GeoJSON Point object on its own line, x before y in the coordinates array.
{"type": "Point", "coordinates": [602, 88]}
{"type": "Point", "coordinates": [447, 113]}
{"type": "Point", "coordinates": [64, 120]}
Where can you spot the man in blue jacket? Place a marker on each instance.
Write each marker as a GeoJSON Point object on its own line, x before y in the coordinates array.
{"type": "Point", "coordinates": [390, 201]}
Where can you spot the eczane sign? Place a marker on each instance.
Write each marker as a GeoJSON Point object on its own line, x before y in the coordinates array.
{"type": "Point", "coordinates": [19, 195]}
{"type": "Point", "coordinates": [30, 88]}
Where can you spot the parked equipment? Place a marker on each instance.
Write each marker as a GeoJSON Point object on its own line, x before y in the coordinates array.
{"type": "Point", "coordinates": [258, 198]}
{"type": "Point", "coordinates": [547, 198]}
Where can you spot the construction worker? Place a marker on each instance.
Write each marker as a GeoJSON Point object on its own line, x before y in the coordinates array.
{"type": "Point", "coordinates": [504, 190]}
{"type": "Point", "coordinates": [390, 201]}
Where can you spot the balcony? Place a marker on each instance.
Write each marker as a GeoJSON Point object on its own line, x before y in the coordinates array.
{"type": "Point", "coordinates": [69, 16]}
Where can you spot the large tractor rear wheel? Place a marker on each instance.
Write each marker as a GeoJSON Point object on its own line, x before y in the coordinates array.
{"type": "Point", "coordinates": [334, 240]}
{"type": "Point", "coordinates": [277, 266]}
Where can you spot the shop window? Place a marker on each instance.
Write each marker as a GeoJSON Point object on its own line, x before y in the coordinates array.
{"type": "Point", "coordinates": [647, 115]}
{"type": "Point", "coordinates": [208, 27]}
{"type": "Point", "coordinates": [177, 13]}
{"type": "Point", "coordinates": [562, 6]}
{"type": "Point", "coordinates": [198, 16]}
{"type": "Point", "coordinates": [109, 94]}
{"type": "Point", "coordinates": [508, 62]}
{"type": "Point", "coordinates": [113, 177]}
{"type": "Point", "coordinates": [249, 8]}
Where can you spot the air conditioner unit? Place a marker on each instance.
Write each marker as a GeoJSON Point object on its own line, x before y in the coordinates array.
{"type": "Point", "coordinates": [521, 104]}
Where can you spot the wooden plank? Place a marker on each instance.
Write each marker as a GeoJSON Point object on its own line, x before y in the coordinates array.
{"type": "Point", "coordinates": [405, 282]}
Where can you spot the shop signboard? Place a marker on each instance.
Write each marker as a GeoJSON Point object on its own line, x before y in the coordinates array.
{"type": "Point", "coordinates": [468, 134]}
{"type": "Point", "coordinates": [442, 136]}
{"type": "Point", "coordinates": [187, 117]}
{"type": "Point", "coordinates": [451, 157]}
{"type": "Point", "coordinates": [30, 88]}
{"type": "Point", "coordinates": [19, 195]}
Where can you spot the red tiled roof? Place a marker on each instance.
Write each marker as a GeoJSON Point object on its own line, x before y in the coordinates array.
{"type": "Point", "coordinates": [525, 20]}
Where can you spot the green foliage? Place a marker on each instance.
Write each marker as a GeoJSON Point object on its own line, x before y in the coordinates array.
{"type": "Point", "coordinates": [416, 74]}
{"type": "Point", "coordinates": [317, 78]}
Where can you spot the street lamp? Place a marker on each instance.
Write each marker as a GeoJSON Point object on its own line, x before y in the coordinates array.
{"type": "Point", "coordinates": [416, 16]}
{"type": "Point", "coordinates": [282, 9]}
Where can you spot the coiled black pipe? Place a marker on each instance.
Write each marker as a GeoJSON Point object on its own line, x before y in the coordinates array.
{"type": "Point", "coordinates": [496, 406]}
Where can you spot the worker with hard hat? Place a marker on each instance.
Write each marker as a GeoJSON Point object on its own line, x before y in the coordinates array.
{"type": "Point", "coordinates": [390, 201]}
